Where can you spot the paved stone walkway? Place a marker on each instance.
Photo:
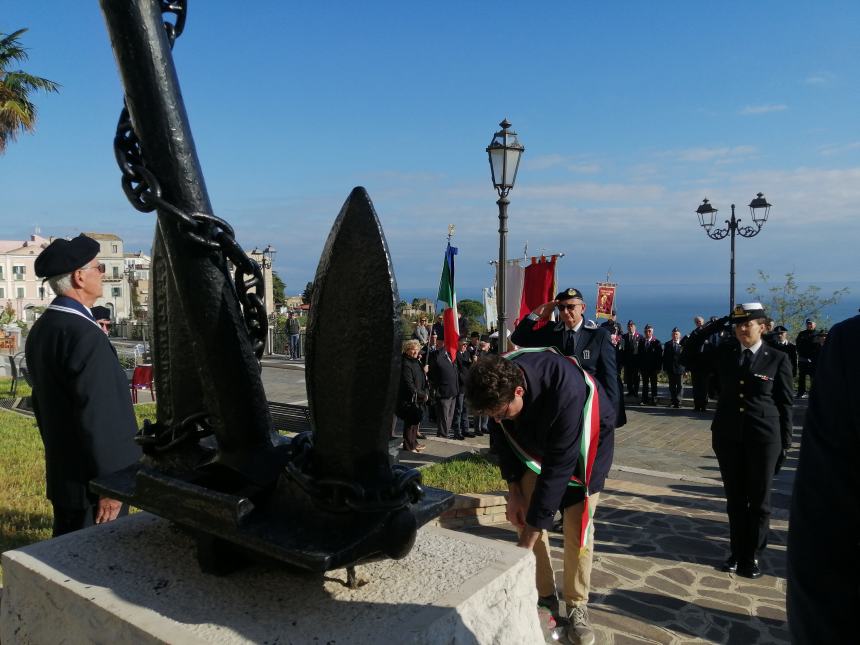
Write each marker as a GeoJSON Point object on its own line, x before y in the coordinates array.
{"type": "Point", "coordinates": [661, 532]}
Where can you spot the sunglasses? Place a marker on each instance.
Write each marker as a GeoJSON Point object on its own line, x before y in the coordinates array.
{"type": "Point", "coordinates": [100, 267]}
{"type": "Point", "coordinates": [568, 307]}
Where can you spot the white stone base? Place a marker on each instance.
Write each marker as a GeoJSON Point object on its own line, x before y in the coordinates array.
{"type": "Point", "coordinates": [137, 581]}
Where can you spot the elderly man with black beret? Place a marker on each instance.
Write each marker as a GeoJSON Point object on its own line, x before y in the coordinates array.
{"type": "Point", "coordinates": [80, 393]}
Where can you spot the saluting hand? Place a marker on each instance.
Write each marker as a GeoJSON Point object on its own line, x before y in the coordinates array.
{"type": "Point", "coordinates": [545, 310]}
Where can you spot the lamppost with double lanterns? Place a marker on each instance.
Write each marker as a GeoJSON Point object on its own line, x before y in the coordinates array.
{"type": "Point", "coordinates": [759, 210]}
{"type": "Point", "coordinates": [504, 152]}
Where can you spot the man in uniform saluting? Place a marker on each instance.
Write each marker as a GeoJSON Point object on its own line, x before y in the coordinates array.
{"type": "Point", "coordinates": [751, 430]}
{"type": "Point", "coordinates": [80, 393]}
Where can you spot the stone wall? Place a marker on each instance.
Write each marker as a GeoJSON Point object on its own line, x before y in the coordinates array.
{"type": "Point", "coordinates": [474, 509]}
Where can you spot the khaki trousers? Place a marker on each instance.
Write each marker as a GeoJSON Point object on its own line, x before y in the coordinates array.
{"type": "Point", "coordinates": [577, 565]}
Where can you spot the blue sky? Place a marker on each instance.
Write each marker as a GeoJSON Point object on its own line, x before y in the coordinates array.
{"type": "Point", "coordinates": [630, 112]}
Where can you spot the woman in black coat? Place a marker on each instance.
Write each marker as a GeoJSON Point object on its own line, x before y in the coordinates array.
{"type": "Point", "coordinates": [412, 396]}
{"type": "Point", "coordinates": [751, 430]}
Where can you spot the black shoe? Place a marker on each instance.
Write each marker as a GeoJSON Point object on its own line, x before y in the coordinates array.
{"type": "Point", "coordinates": [479, 433]}
{"type": "Point", "coordinates": [469, 435]}
{"type": "Point", "coordinates": [749, 570]}
{"type": "Point", "coordinates": [676, 405]}
{"type": "Point", "coordinates": [730, 565]}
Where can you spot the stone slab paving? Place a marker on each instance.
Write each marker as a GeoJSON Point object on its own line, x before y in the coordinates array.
{"type": "Point", "coordinates": [655, 577]}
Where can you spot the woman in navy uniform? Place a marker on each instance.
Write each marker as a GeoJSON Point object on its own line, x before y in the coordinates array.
{"type": "Point", "coordinates": [751, 430]}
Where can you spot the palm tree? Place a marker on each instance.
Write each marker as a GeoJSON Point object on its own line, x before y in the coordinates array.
{"type": "Point", "coordinates": [17, 112]}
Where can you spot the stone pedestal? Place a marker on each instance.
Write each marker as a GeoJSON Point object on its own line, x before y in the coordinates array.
{"type": "Point", "coordinates": [137, 581]}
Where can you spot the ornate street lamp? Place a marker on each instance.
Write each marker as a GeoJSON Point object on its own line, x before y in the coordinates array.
{"type": "Point", "coordinates": [504, 153]}
{"type": "Point", "coordinates": [759, 210]}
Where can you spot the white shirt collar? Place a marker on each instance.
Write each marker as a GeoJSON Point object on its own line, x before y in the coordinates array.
{"type": "Point", "coordinates": [576, 328]}
{"type": "Point", "coordinates": [754, 348]}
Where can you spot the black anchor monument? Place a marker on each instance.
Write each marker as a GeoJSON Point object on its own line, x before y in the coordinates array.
{"type": "Point", "coordinates": [212, 463]}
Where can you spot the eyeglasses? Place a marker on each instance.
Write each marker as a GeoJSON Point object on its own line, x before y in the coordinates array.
{"type": "Point", "coordinates": [100, 267]}
{"type": "Point", "coordinates": [568, 307]}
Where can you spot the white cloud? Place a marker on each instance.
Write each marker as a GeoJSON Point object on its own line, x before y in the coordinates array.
{"type": "Point", "coordinates": [584, 168]}
{"type": "Point", "coordinates": [832, 149]}
{"type": "Point", "coordinates": [543, 162]}
{"type": "Point", "coordinates": [732, 153]}
{"type": "Point", "coordinates": [820, 78]}
{"type": "Point", "coordinates": [762, 109]}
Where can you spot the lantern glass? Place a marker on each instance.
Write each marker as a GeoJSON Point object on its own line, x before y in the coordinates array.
{"type": "Point", "coordinates": [707, 215]}
{"type": "Point", "coordinates": [759, 209]}
{"type": "Point", "coordinates": [504, 154]}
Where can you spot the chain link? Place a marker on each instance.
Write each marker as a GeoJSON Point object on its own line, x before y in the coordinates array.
{"type": "Point", "coordinates": [143, 191]}
{"type": "Point", "coordinates": [154, 437]}
{"type": "Point", "coordinates": [340, 494]}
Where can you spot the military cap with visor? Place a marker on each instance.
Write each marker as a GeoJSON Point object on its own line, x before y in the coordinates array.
{"type": "Point", "coordinates": [570, 294]}
{"type": "Point", "coordinates": [748, 311]}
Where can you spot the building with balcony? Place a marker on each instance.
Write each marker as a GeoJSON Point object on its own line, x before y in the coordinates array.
{"type": "Point", "coordinates": [20, 289]}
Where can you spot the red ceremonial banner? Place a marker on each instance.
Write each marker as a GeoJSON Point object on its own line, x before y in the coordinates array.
{"type": "Point", "coordinates": [605, 299]}
{"type": "Point", "coordinates": [538, 284]}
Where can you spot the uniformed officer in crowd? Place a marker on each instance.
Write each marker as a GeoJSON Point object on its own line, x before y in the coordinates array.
{"type": "Point", "coordinates": [751, 430]}
{"type": "Point", "coordinates": [807, 354]}
{"type": "Point", "coordinates": [650, 363]}
{"type": "Point", "coordinates": [779, 340]}
{"type": "Point", "coordinates": [673, 367]}
{"type": "Point", "coordinates": [823, 555]}
{"type": "Point", "coordinates": [80, 393]}
{"type": "Point", "coordinates": [591, 346]}
{"type": "Point", "coordinates": [538, 401]}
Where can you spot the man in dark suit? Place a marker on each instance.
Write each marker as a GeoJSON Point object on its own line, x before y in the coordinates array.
{"type": "Point", "coordinates": [630, 351]}
{"type": "Point", "coordinates": [699, 376]}
{"type": "Point", "coordinates": [673, 366]}
{"type": "Point", "coordinates": [80, 393]}
{"type": "Point", "coordinates": [779, 340]}
{"type": "Point", "coordinates": [823, 557]}
{"type": "Point", "coordinates": [592, 347]}
{"type": "Point", "coordinates": [462, 361]}
{"type": "Point", "coordinates": [539, 403]}
{"type": "Point", "coordinates": [751, 430]}
{"type": "Point", "coordinates": [446, 384]}
{"type": "Point", "coordinates": [651, 362]}
{"type": "Point", "coordinates": [807, 355]}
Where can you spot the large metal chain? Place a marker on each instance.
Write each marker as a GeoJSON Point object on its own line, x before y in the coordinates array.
{"type": "Point", "coordinates": [143, 190]}
{"type": "Point", "coordinates": [341, 494]}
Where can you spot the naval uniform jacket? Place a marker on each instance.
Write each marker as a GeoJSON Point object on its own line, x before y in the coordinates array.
{"type": "Point", "coordinates": [82, 402]}
{"type": "Point", "coordinates": [650, 355]}
{"type": "Point", "coordinates": [549, 428]}
{"type": "Point", "coordinates": [672, 358]}
{"type": "Point", "coordinates": [594, 351]}
{"type": "Point", "coordinates": [755, 404]}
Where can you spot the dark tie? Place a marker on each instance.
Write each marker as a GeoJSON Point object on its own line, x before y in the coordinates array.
{"type": "Point", "coordinates": [747, 359]}
{"type": "Point", "coordinates": [570, 343]}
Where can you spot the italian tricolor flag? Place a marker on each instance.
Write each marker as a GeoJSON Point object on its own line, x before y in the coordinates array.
{"type": "Point", "coordinates": [448, 295]}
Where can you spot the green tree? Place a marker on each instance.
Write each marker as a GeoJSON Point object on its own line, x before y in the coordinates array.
{"type": "Point", "coordinates": [473, 311]}
{"type": "Point", "coordinates": [278, 287]}
{"type": "Point", "coordinates": [308, 293]}
{"type": "Point", "coordinates": [17, 111]}
{"type": "Point", "coordinates": [790, 306]}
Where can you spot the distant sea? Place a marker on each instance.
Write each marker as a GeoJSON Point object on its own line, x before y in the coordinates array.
{"type": "Point", "coordinates": [667, 306]}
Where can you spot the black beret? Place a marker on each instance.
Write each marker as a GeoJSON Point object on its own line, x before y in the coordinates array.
{"type": "Point", "coordinates": [675, 329]}
{"type": "Point", "coordinates": [567, 294]}
{"type": "Point", "coordinates": [101, 313]}
{"type": "Point", "coordinates": [64, 256]}
{"type": "Point", "coordinates": [485, 338]}
{"type": "Point", "coordinates": [630, 322]}
{"type": "Point", "coordinates": [648, 326]}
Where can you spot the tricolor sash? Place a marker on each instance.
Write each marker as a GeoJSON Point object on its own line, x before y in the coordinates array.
{"type": "Point", "coordinates": [587, 443]}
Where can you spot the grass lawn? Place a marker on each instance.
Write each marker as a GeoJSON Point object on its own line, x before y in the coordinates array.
{"type": "Point", "coordinates": [469, 474]}
{"type": "Point", "coordinates": [25, 513]}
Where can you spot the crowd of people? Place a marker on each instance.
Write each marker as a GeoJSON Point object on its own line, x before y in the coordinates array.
{"type": "Point", "coordinates": [536, 405]}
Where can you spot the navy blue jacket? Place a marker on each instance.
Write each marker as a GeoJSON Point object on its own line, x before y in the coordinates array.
{"type": "Point", "coordinates": [594, 350]}
{"type": "Point", "coordinates": [823, 553]}
{"type": "Point", "coordinates": [549, 427]}
{"type": "Point", "coordinates": [82, 403]}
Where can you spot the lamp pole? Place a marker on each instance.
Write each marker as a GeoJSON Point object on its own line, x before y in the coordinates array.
{"type": "Point", "coordinates": [504, 153]}
{"type": "Point", "coordinates": [759, 211]}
